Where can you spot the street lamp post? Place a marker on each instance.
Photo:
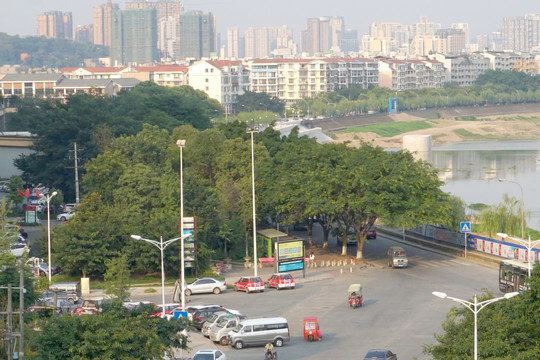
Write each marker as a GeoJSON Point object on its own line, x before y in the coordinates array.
{"type": "Point", "coordinates": [161, 246]}
{"type": "Point", "coordinates": [522, 205]}
{"type": "Point", "coordinates": [251, 130]}
{"type": "Point", "coordinates": [181, 144]}
{"type": "Point", "coordinates": [48, 198]}
{"type": "Point", "coordinates": [528, 244]}
{"type": "Point", "coordinates": [475, 307]}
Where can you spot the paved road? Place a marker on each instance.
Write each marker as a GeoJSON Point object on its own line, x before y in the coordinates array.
{"type": "Point", "coordinates": [399, 311]}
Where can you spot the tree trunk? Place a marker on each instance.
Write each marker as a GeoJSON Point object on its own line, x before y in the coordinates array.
{"type": "Point", "coordinates": [344, 247]}
{"type": "Point", "coordinates": [360, 247]}
{"type": "Point", "coordinates": [310, 233]}
{"type": "Point", "coordinates": [326, 232]}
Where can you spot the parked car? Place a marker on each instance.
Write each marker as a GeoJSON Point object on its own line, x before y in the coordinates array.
{"type": "Point", "coordinates": [205, 330]}
{"type": "Point", "coordinates": [205, 285]}
{"type": "Point", "coordinates": [193, 308]}
{"type": "Point", "coordinates": [219, 332]}
{"type": "Point", "coordinates": [371, 233]}
{"type": "Point", "coordinates": [249, 284]}
{"type": "Point", "coordinates": [39, 267]}
{"type": "Point", "coordinates": [209, 355]}
{"type": "Point", "coordinates": [200, 316]}
{"type": "Point", "coordinates": [169, 308]}
{"type": "Point", "coordinates": [378, 354]}
{"type": "Point", "coordinates": [65, 216]}
{"type": "Point", "coordinates": [281, 281]}
{"type": "Point", "coordinates": [4, 186]}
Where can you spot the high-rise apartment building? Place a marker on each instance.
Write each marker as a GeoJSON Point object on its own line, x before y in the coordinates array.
{"type": "Point", "coordinates": [450, 41]}
{"type": "Point", "coordinates": [55, 25]}
{"type": "Point", "coordinates": [233, 41]}
{"type": "Point", "coordinates": [337, 26]}
{"type": "Point", "coordinates": [102, 23]}
{"type": "Point", "coordinates": [316, 39]}
{"type": "Point", "coordinates": [197, 35]}
{"type": "Point", "coordinates": [167, 11]}
{"type": "Point", "coordinates": [521, 33]}
{"type": "Point", "coordinates": [348, 42]}
{"type": "Point", "coordinates": [133, 37]}
{"type": "Point", "coordinates": [84, 33]}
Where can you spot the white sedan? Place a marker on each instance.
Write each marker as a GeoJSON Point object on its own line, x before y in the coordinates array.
{"type": "Point", "coordinates": [209, 355]}
{"type": "Point", "coordinates": [205, 285]}
{"type": "Point", "coordinates": [65, 216]}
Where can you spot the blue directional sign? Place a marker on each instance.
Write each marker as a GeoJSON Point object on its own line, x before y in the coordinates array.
{"type": "Point", "coordinates": [465, 227]}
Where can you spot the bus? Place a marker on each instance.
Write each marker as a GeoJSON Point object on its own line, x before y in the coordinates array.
{"type": "Point", "coordinates": [513, 276]}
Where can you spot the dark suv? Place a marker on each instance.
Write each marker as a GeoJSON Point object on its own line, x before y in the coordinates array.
{"type": "Point", "coordinates": [200, 316]}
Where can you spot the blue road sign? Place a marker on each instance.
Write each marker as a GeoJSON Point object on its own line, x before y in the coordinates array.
{"type": "Point", "coordinates": [465, 227]}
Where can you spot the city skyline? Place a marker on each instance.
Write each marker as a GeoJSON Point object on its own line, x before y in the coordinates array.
{"type": "Point", "coordinates": [481, 16]}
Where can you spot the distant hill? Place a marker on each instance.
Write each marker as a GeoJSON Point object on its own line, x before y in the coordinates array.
{"type": "Point", "coordinates": [38, 52]}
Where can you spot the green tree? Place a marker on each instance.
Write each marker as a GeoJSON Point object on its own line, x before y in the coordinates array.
{"type": "Point", "coordinates": [115, 333]}
{"type": "Point", "coordinates": [507, 329]}
{"type": "Point", "coordinates": [117, 277]}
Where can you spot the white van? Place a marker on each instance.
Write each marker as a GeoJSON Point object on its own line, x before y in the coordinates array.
{"type": "Point", "coordinates": [220, 330]}
{"type": "Point", "coordinates": [260, 332]}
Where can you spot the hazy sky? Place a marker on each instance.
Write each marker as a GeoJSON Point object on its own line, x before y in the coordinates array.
{"type": "Point", "coordinates": [19, 16]}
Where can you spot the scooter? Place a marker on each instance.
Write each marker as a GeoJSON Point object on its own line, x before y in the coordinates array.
{"type": "Point", "coordinates": [270, 355]}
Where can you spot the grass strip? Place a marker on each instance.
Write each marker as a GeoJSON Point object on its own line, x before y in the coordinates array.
{"type": "Point", "coordinates": [390, 129]}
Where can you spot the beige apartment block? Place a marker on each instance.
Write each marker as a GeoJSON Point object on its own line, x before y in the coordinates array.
{"type": "Point", "coordinates": [402, 75]}
{"type": "Point", "coordinates": [294, 79]}
{"type": "Point", "coordinates": [222, 80]}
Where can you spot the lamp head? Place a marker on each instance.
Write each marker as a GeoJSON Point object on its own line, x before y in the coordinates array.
{"type": "Point", "coordinates": [54, 193]}
{"type": "Point", "coordinates": [440, 294]}
{"type": "Point", "coordinates": [503, 235]}
{"type": "Point", "coordinates": [136, 237]}
{"type": "Point", "coordinates": [511, 295]}
{"type": "Point", "coordinates": [181, 143]}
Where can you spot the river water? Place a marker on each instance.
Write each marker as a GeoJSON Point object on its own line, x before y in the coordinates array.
{"type": "Point", "coordinates": [471, 171]}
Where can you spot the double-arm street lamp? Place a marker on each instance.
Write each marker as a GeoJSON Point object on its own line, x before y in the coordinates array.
{"type": "Point", "coordinates": [48, 198]}
{"type": "Point", "coordinates": [522, 206]}
{"type": "Point", "coordinates": [475, 307]}
{"type": "Point", "coordinates": [528, 244]}
{"type": "Point", "coordinates": [181, 144]}
{"type": "Point", "coordinates": [251, 130]}
{"type": "Point", "coordinates": [161, 245]}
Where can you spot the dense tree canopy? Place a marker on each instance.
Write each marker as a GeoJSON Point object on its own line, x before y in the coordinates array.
{"type": "Point", "coordinates": [133, 188]}
{"type": "Point", "coordinates": [114, 333]}
{"type": "Point", "coordinates": [92, 122]}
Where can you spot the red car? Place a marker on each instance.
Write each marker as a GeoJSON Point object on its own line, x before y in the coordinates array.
{"type": "Point", "coordinates": [249, 284]}
{"type": "Point", "coordinates": [281, 281]}
{"type": "Point", "coordinates": [371, 233]}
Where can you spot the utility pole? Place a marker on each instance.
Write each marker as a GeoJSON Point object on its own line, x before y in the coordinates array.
{"type": "Point", "coordinates": [76, 174]}
{"type": "Point", "coordinates": [76, 167]}
{"type": "Point", "coordinates": [21, 312]}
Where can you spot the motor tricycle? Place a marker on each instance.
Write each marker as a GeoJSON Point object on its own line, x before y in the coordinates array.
{"type": "Point", "coordinates": [355, 295]}
{"type": "Point", "coordinates": [311, 329]}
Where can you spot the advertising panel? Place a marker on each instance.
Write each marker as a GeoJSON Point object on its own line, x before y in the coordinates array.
{"type": "Point", "coordinates": [290, 256]}
{"type": "Point", "coordinates": [290, 250]}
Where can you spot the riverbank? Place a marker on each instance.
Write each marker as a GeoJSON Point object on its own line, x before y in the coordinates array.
{"type": "Point", "coordinates": [452, 129]}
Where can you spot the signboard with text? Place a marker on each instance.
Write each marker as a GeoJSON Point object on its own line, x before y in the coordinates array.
{"type": "Point", "coordinates": [190, 245]}
{"type": "Point", "coordinates": [290, 255]}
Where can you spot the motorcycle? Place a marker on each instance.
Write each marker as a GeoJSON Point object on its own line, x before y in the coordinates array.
{"type": "Point", "coordinates": [268, 355]}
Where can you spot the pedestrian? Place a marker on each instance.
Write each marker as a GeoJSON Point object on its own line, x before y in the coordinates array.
{"type": "Point", "coordinates": [312, 260]}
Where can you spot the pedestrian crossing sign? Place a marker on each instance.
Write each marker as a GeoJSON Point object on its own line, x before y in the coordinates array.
{"type": "Point", "coordinates": [465, 227]}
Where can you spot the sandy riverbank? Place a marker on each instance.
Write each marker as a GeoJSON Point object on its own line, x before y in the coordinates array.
{"type": "Point", "coordinates": [449, 130]}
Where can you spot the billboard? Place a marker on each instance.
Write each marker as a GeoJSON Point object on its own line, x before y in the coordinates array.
{"type": "Point", "coordinates": [290, 255]}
